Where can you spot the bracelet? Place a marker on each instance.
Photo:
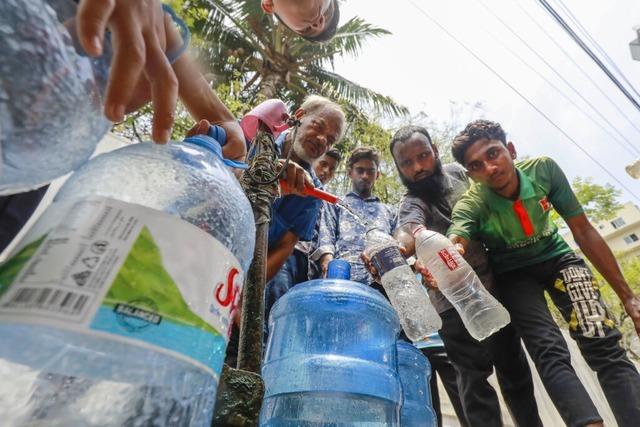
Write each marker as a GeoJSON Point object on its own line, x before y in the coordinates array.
{"type": "Point", "coordinates": [184, 33]}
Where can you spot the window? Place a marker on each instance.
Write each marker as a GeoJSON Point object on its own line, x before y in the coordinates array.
{"type": "Point", "coordinates": [618, 222]}
{"type": "Point", "coordinates": [631, 238]}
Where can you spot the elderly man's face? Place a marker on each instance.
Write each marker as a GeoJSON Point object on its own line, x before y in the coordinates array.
{"type": "Point", "coordinates": [318, 131]}
{"type": "Point", "coordinates": [308, 18]}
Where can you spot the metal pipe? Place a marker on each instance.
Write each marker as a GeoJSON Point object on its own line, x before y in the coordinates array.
{"type": "Point", "coordinates": [251, 325]}
{"type": "Point", "coordinates": [261, 185]}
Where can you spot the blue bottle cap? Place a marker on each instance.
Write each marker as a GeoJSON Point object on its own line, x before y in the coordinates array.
{"type": "Point", "coordinates": [215, 147]}
{"type": "Point", "coordinates": [218, 133]}
{"type": "Point", "coordinates": [339, 269]}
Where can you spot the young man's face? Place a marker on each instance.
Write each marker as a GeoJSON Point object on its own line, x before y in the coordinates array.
{"type": "Point", "coordinates": [363, 175]}
{"type": "Point", "coordinates": [308, 18]}
{"type": "Point", "coordinates": [325, 168]}
{"type": "Point", "coordinates": [490, 162]}
{"type": "Point", "coordinates": [316, 134]}
{"type": "Point", "coordinates": [416, 157]}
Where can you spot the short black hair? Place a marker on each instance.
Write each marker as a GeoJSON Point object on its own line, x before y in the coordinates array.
{"type": "Point", "coordinates": [334, 154]}
{"type": "Point", "coordinates": [473, 132]}
{"type": "Point", "coordinates": [329, 30]}
{"type": "Point", "coordinates": [404, 133]}
{"type": "Point", "coordinates": [361, 153]}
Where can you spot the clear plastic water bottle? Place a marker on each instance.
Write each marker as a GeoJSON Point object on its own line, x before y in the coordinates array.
{"type": "Point", "coordinates": [415, 373]}
{"type": "Point", "coordinates": [481, 313]}
{"type": "Point", "coordinates": [330, 358]}
{"type": "Point", "coordinates": [50, 94]}
{"type": "Point", "coordinates": [116, 307]}
{"type": "Point", "coordinates": [417, 315]}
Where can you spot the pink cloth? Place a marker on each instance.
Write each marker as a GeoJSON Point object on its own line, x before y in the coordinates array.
{"type": "Point", "coordinates": [272, 112]}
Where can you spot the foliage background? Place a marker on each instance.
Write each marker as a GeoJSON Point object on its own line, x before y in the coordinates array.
{"type": "Point", "coordinates": [248, 56]}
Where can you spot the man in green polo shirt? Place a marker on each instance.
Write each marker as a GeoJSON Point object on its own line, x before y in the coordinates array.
{"type": "Point", "coordinates": [508, 209]}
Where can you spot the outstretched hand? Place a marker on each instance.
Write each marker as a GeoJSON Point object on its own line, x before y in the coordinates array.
{"type": "Point", "coordinates": [366, 259]}
{"type": "Point", "coordinates": [428, 280]}
{"type": "Point", "coordinates": [324, 264]}
{"type": "Point", "coordinates": [296, 179]}
{"type": "Point", "coordinates": [139, 42]}
{"type": "Point", "coordinates": [235, 147]}
{"type": "Point", "coordinates": [632, 307]}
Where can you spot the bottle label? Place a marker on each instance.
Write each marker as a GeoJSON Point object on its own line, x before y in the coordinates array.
{"type": "Point", "coordinates": [448, 259]}
{"type": "Point", "coordinates": [100, 266]}
{"type": "Point", "coordinates": [387, 259]}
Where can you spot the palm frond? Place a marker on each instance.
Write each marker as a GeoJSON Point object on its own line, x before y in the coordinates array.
{"type": "Point", "coordinates": [337, 87]}
{"type": "Point", "coordinates": [254, 27]}
{"type": "Point", "coordinates": [349, 40]}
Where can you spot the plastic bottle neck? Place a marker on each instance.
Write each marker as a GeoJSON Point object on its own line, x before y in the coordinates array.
{"type": "Point", "coordinates": [214, 147]}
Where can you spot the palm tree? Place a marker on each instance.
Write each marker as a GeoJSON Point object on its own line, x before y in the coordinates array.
{"type": "Point", "coordinates": [238, 40]}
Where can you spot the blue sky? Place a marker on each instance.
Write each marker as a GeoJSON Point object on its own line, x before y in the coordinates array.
{"type": "Point", "coordinates": [422, 68]}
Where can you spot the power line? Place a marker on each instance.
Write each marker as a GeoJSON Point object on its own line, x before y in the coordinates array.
{"type": "Point", "coordinates": [582, 71]}
{"type": "Point", "coordinates": [599, 48]}
{"type": "Point", "coordinates": [524, 98]}
{"type": "Point", "coordinates": [631, 149]}
{"type": "Point", "coordinates": [569, 84]}
{"type": "Point", "coordinates": [588, 51]}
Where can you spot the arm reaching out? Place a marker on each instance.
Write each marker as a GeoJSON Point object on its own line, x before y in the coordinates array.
{"type": "Point", "coordinates": [597, 251]}
{"type": "Point", "coordinates": [139, 43]}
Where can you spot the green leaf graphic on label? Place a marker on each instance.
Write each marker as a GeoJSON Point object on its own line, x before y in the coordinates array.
{"type": "Point", "coordinates": [144, 278]}
{"type": "Point", "coordinates": [10, 269]}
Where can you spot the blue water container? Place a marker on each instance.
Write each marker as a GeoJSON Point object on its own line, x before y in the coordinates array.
{"type": "Point", "coordinates": [415, 373]}
{"type": "Point", "coordinates": [330, 359]}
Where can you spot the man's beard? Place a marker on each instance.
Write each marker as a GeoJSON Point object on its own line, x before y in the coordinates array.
{"type": "Point", "coordinates": [431, 188]}
{"type": "Point", "coordinates": [362, 187]}
{"type": "Point", "coordinates": [298, 149]}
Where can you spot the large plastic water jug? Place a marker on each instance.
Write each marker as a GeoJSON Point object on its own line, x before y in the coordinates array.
{"type": "Point", "coordinates": [50, 94]}
{"type": "Point", "coordinates": [415, 373]}
{"type": "Point", "coordinates": [331, 358]}
{"type": "Point", "coordinates": [115, 308]}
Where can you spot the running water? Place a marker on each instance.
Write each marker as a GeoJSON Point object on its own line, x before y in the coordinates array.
{"type": "Point", "coordinates": [363, 221]}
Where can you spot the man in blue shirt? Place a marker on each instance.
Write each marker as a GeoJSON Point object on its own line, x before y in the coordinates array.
{"type": "Point", "coordinates": [341, 233]}
{"type": "Point", "coordinates": [307, 267]}
{"type": "Point", "coordinates": [296, 268]}
{"type": "Point", "coordinates": [293, 216]}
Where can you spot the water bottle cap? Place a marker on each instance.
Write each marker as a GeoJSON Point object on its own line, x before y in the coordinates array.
{"type": "Point", "coordinates": [418, 229]}
{"type": "Point", "coordinates": [218, 133]}
{"type": "Point", "coordinates": [339, 269]}
{"type": "Point", "coordinates": [215, 147]}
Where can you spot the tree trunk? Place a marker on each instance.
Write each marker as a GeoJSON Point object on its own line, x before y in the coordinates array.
{"type": "Point", "coordinates": [270, 83]}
